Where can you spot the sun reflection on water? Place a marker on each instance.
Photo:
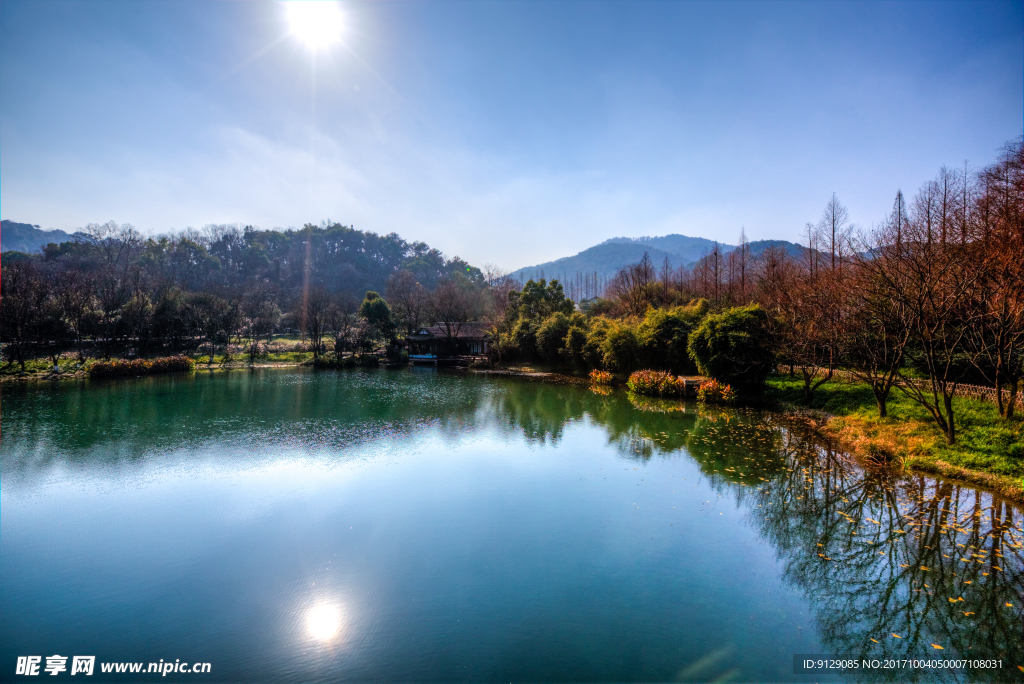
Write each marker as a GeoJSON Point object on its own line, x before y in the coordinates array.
{"type": "Point", "coordinates": [323, 622]}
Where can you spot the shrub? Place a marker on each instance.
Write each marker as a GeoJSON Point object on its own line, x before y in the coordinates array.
{"type": "Point", "coordinates": [121, 368]}
{"type": "Point", "coordinates": [576, 346]}
{"type": "Point", "coordinates": [600, 377]}
{"type": "Point", "coordinates": [714, 392]}
{"type": "Point", "coordinates": [734, 346]}
{"type": "Point", "coordinates": [664, 333]}
{"type": "Point", "coordinates": [658, 383]}
{"type": "Point", "coordinates": [551, 337]}
{"type": "Point", "coordinates": [593, 357]}
{"type": "Point", "coordinates": [524, 339]}
{"type": "Point", "coordinates": [619, 349]}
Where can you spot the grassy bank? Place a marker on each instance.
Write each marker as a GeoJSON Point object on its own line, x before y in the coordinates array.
{"type": "Point", "coordinates": [988, 451]}
{"type": "Point", "coordinates": [70, 368]}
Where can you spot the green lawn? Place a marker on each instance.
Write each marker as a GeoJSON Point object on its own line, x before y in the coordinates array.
{"type": "Point", "coordinates": [292, 357]}
{"type": "Point", "coordinates": [38, 367]}
{"type": "Point", "coordinates": [985, 443]}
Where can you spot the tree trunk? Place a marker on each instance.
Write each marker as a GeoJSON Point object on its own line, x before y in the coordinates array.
{"type": "Point", "coordinates": [1011, 403]}
{"type": "Point", "coordinates": [947, 400]}
{"type": "Point", "coordinates": [881, 401]}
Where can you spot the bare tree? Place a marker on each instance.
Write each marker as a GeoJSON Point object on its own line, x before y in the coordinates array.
{"type": "Point", "coordinates": [809, 321]}
{"type": "Point", "coordinates": [933, 280]}
{"type": "Point", "coordinates": [345, 323]}
{"type": "Point", "coordinates": [776, 273]}
{"type": "Point", "coordinates": [260, 316]}
{"type": "Point", "coordinates": [206, 313]}
{"type": "Point", "coordinates": [75, 293]}
{"type": "Point", "coordinates": [633, 286]}
{"type": "Point", "coordinates": [112, 292]}
{"type": "Point", "coordinates": [137, 316]}
{"type": "Point", "coordinates": [499, 284]}
{"type": "Point", "coordinates": [833, 229]}
{"type": "Point", "coordinates": [21, 296]}
{"type": "Point", "coordinates": [813, 248]}
{"type": "Point", "coordinates": [740, 258]}
{"type": "Point", "coordinates": [407, 298]}
{"type": "Point", "coordinates": [879, 327]}
{"type": "Point", "coordinates": [995, 338]}
{"type": "Point", "coordinates": [451, 306]}
{"type": "Point", "coordinates": [317, 313]}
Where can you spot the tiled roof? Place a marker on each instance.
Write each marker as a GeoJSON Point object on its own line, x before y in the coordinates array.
{"type": "Point", "coordinates": [469, 329]}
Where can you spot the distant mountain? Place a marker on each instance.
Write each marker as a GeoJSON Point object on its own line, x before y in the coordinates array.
{"type": "Point", "coordinates": [611, 255]}
{"type": "Point", "coordinates": [604, 260]}
{"type": "Point", "coordinates": [687, 248]}
{"type": "Point", "coordinates": [25, 237]}
{"type": "Point", "coordinates": [792, 249]}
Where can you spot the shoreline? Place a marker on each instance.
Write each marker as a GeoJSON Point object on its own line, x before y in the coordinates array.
{"type": "Point", "coordinates": [826, 425]}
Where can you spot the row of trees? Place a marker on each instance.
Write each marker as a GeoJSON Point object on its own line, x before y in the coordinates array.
{"type": "Point", "coordinates": [929, 299]}
{"type": "Point", "coordinates": [112, 292]}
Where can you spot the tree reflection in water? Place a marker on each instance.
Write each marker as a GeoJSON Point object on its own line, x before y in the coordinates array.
{"type": "Point", "coordinates": [897, 565]}
{"type": "Point", "coordinates": [894, 565]}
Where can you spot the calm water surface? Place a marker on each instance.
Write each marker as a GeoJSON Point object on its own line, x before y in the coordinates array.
{"type": "Point", "coordinates": [290, 525]}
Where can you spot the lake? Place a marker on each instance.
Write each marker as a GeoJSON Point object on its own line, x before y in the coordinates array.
{"type": "Point", "coordinates": [416, 525]}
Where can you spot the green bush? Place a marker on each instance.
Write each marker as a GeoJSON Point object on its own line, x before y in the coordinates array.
{"type": "Point", "coordinates": [120, 368]}
{"type": "Point", "coordinates": [734, 346]}
{"type": "Point", "coordinates": [551, 337]}
{"type": "Point", "coordinates": [620, 350]}
{"type": "Point", "coordinates": [524, 339]}
{"type": "Point", "coordinates": [664, 334]}
{"type": "Point", "coordinates": [576, 346]}
{"type": "Point", "coordinates": [593, 356]}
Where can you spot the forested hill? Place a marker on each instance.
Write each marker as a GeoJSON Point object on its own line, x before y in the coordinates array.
{"type": "Point", "coordinates": [25, 237]}
{"type": "Point", "coordinates": [603, 260]}
{"type": "Point", "coordinates": [233, 262]}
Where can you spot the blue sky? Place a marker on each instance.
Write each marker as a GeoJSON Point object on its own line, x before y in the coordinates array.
{"type": "Point", "coordinates": [503, 132]}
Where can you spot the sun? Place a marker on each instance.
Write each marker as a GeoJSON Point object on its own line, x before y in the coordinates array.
{"type": "Point", "coordinates": [314, 22]}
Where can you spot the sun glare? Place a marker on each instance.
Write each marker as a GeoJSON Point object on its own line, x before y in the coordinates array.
{"type": "Point", "coordinates": [315, 23]}
{"type": "Point", "coordinates": [323, 622]}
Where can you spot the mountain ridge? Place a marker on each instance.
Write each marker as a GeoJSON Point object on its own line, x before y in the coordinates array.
{"type": "Point", "coordinates": [604, 259]}
{"type": "Point", "coordinates": [28, 237]}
